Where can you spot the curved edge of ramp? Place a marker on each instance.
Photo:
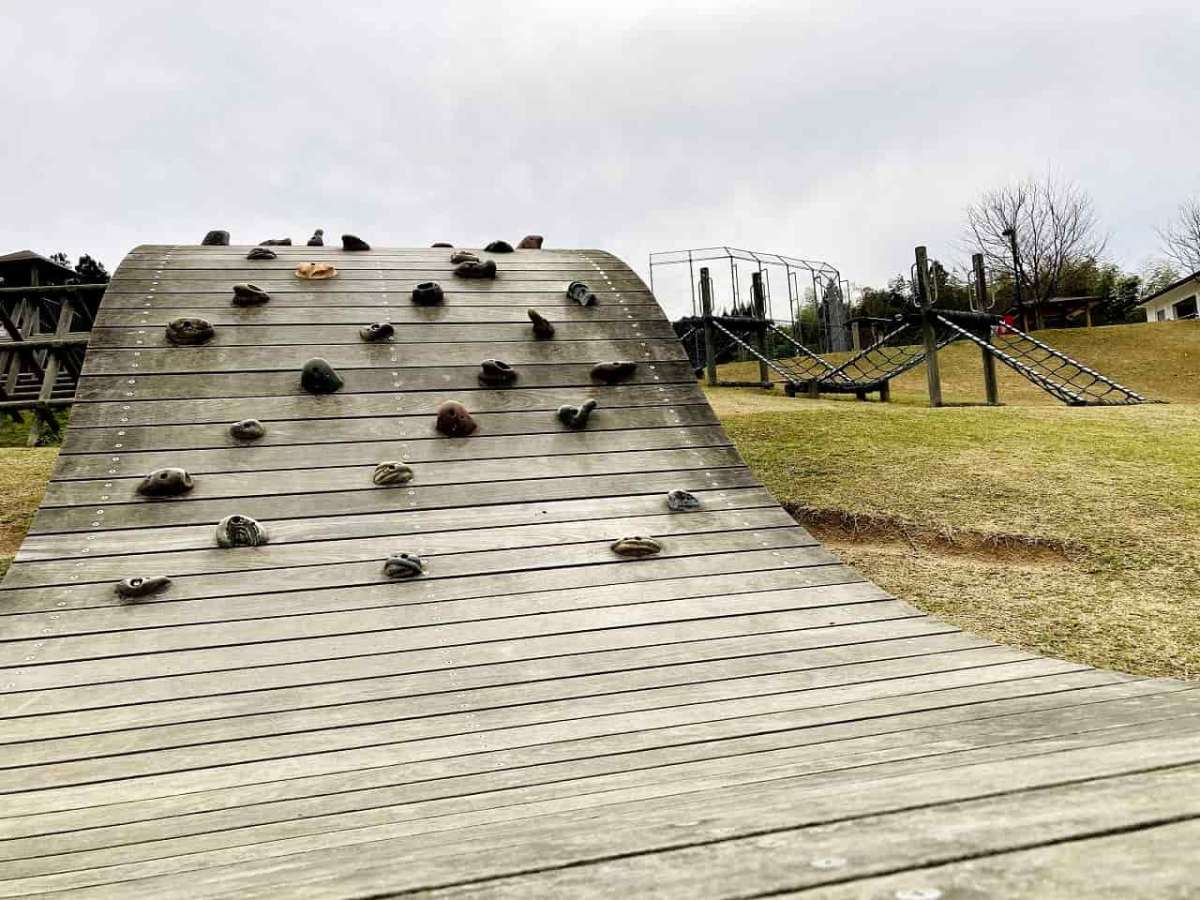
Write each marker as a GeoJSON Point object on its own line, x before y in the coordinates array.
{"type": "Point", "coordinates": [739, 714]}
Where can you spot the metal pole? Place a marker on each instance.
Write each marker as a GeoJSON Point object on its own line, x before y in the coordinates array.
{"type": "Point", "coordinates": [928, 332]}
{"type": "Point", "coordinates": [760, 313]}
{"type": "Point", "coordinates": [710, 354]}
{"type": "Point", "coordinates": [1011, 234]}
{"type": "Point", "coordinates": [991, 389]}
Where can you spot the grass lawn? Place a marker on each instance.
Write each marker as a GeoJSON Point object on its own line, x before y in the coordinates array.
{"type": "Point", "coordinates": [1072, 532]}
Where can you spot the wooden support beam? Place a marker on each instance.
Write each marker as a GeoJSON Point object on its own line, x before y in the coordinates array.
{"type": "Point", "coordinates": [928, 332]}
{"type": "Point", "coordinates": [759, 302]}
{"type": "Point", "coordinates": [990, 386]}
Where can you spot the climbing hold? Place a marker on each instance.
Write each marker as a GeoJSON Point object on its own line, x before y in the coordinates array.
{"type": "Point", "coordinates": [403, 565]}
{"type": "Point", "coordinates": [354, 244]}
{"type": "Point", "coordinates": [530, 242]}
{"type": "Point", "coordinates": [166, 482]}
{"type": "Point", "coordinates": [499, 247]}
{"type": "Point", "coordinates": [636, 546]}
{"type": "Point", "coordinates": [376, 331]}
{"type": "Point", "coordinates": [319, 377]}
{"type": "Point", "coordinates": [318, 238]}
{"type": "Point", "coordinates": [248, 430]}
{"type": "Point", "coordinates": [581, 293]}
{"type": "Point", "coordinates": [441, 245]}
{"type": "Point", "coordinates": [453, 420]}
{"type": "Point", "coordinates": [542, 329]}
{"type": "Point", "coordinates": [249, 295]}
{"type": "Point", "coordinates": [310, 271]}
{"type": "Point", "coordinates": [462, 256]}
{"type": "Point", "coordinates": [216, 239]}
{"type": "Point", "coordinates": [387, 474]}
{"type": "Point", "coordinates": [276, 242]}
{"type": "Point", "coordinates": [473, 268]}
{"type": "Point", "coordinates": [262, 253]}
{"type": "Point", "coordinates": [427, 293]}
{"type": "Point", "coordinates": [240, 531]}
{"type": "Point", "coordinates": [613, 372]}
{"type": "Point", "coordinates": [576, 416]}
{"type": "Point", "coordinates": [496, 372]}
{"type": "Point", "coordinates": [139, 586]}
{"type": "Point", "coordinates": [682, 501]}
{"type": "Point", "coordinates": [189, 331]}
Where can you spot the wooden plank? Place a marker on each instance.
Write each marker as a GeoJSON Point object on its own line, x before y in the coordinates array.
{"type": "Point", "coordinates": [403, 314]}
{"type": "Point", "coordinates": [400, 284]}
{"type": "Point", "coordinates": [513, 302]}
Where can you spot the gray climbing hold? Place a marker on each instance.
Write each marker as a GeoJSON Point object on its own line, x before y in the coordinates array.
{"type": "Point", "coordinates": [542, 329]}
{"type": "Point", "coordinates": [139, 586]}
{"type": "Point", "coordinates": [530, 242]}
{"type": "Point", "coordinates": [403, 565]}
{"type": "Point", "coordinates": [427, 293]}
{"type": "Point", "coordinates": [248, 430]}
{"type": "Point", "coordinates": [441, 245]}
{"type": "Point", "coordinates": [189, 331]}
{"type": "Point", "coordinates": [636, 546]}
{"type": "Point", "coordinates": [353, 244]}
{"type": "Point", "coordinates": [249, 295]}
{"type": "Point", "coordinates": [453, 420]}
{"type": "Point", "coordinates": [499, 247]}
{"type": "Point", "coordinates": [168, 481]}
{"type": "Point", "coordinates": [462, 256]}
{"type": "Point", "coordinates": [614, 372]}
{"type": "Point", "coordinates": [318, 238]}
{"type": "Point", "coordinates": [319, 377]}
{"type": "Point", "coordinates": [576, 416]}
{"type": "Point", "coordinates": [240, 531]}
{"type": "Point", "coordinates": [376, 331]}
{"type": "Point", "coordinates": [496, 372]}
{"type": "Point", "coordinates": [216, 238]}
{"type": "Point", "coordinates": [387, 474]}
{"type": "Point", "coordinates": [682, 501]}
{"type": "Point", "coordinates": [262, 253]}
{"type": "Point", "coordinates": [276, 242]}
{"type": "Point", "coordinates": [475, 269]}
{"type": "Point", "coordinates": [581, 293]}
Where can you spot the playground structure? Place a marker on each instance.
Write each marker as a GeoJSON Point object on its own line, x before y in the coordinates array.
{"type": "Point", "coordinates": [910, 338]}
{"type": "Point", "coordinates": [543, 657]}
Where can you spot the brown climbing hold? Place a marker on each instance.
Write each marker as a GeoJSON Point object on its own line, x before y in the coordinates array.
{"type": "Point", "coordinates": [453, 420]}
{"type": "Point", "coordinates": [427, 293]}
{"type": "Point", "coordinates": [311, 271]}
{"type": "Point", "coordinates": [473, 268]}
{"type": "Point", "coordinates": [189, 331]}
{"type": "Point", "coordinates": [530, 242]}
{"type": "Point", "coordinates": [353, 244]}
{"type": "Point", "coordinates": [276, 242]}
{"type": "Point", "coordinates": [249, 295]}
{"type": "Point", "coordinates": [542, 329]}
{"type": "Point", "coordinates": [496, 373]}
{"type": "Point", "coordinates": [614, 372]}
{"type": "Point", "coordinates": [441, 245]}
{"type": "Point", "coordinates": [581, 293]}
{"type": "Point", "coordinates": [169, 481]}
{"type": "Point", "coordinates": [499, 247]}
{"type": "Point", "coordinates": [240, 531]}
{"type": "Point", "coordinates": [139, 586]}
{"type": "Point", "coordinates": [216, 238]}
{"type": "Point", "coordinates": [636, 546]}
{"type": "Point", "coordinates": [247, 430]}
{"type": "Point", "coordinates": [318, 238]}
{"type": "Point", "coordinates": [462, 256]}
{"type": "Point", "coordinates": [376, 331]}
{"type": "Point", "coordinates": [262, 253]}
{"type": "Point", "coordinates": [403, 565]}
{"type": "Point", "coordinates": [319, 377]}
{"type": "Point", "coordinates": [387, 474]}
{"type": "Point", "coordinates": [576, 416]}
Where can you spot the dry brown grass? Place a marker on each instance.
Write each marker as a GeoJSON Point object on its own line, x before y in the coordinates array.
{"type": "Point", "coordinates": [23, 476]}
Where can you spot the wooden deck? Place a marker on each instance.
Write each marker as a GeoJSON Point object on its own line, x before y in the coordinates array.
{"type": "Point", "coordinates": [741, 715]}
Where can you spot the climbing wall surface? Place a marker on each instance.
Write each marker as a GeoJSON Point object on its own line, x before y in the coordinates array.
{"type": "Point", "coordinates": [528, 711]}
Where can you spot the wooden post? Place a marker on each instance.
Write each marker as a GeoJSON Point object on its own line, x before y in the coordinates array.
{"type": "Point", "coordinates": [48, 423]}
{"type": "Point", "coordinates": [710, 354]}
{"type": "Point", "coordinates": [990, 387]}
{"type": "Point", "coordinates": [855, 337]}
{"type": "Point", "coordinates": [928, 332]}
{"type": "Point", "coordinates": [759, 300]}
{"type": "Point", "coordinates": [885, 391]}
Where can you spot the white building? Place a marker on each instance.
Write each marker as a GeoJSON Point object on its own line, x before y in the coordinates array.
{"type": "Point", "coordinates": [1175, 301]}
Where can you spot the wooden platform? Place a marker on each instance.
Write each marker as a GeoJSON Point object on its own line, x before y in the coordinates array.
{"type": "Point", "coordinates": [741, 715]}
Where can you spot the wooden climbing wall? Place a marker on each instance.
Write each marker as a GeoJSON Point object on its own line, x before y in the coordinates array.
{"type": "Point", "coordinates": [535, 715]}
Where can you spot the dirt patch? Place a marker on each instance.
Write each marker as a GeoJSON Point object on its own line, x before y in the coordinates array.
{"type": "Point", "coordinates": [836, 527]}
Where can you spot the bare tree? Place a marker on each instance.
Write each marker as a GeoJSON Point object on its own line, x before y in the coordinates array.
{"type": "Point", "coordinates": [1056, 227]}
{"type": "Point", "coordinates": [1181, 238]}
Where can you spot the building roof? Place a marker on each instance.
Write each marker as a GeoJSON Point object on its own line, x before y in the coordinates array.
{"type": "Point", "coordinates": [30, 256]}
{"type": "Point", "coordinates": [1170, 287]}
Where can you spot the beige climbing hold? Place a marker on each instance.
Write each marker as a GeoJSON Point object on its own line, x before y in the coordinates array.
{"type": "Point", "coordinates": [311, 271]}
{"type": "Point", "coordinates": [636, 546]}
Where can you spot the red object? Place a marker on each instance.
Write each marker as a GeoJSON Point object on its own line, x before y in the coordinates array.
{"type": "Point", "coordinates": [1008, 321]}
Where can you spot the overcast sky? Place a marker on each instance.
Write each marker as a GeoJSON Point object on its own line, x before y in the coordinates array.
{"type": "Point", "coordinates": [848, 131]}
